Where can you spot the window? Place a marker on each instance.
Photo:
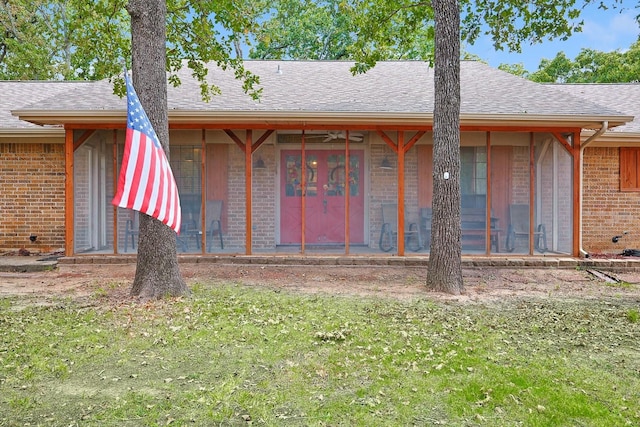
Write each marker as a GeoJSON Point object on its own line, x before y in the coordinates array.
{"type": "Point", "coordinates": [473, 176]}
{"type": "Point", "coordinates": [629, 169]}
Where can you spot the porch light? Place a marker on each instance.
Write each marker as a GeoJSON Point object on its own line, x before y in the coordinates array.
{"type": "Point", "coordinates": [386, 164]}
{"type": "Point", "coordinates": [259, 164]}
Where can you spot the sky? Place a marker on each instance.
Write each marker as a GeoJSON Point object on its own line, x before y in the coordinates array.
{"type": "Point", "coordinates": [605, 31]}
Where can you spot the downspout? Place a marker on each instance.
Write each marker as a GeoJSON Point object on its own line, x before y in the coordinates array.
{"type": "Point", "coordinates": [599, 132]}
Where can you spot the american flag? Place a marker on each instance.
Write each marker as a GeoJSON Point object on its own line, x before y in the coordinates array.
{"type": "Point", "coordinates": [146, 183]}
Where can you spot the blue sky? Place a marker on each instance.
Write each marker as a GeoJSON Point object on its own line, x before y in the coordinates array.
{"type": "Point", "coordinates": [603, 30]}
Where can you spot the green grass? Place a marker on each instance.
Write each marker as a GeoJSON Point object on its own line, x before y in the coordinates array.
{"type": "Point", "coordinates": [234, 355]}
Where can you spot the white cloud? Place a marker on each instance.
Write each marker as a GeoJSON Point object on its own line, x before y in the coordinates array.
{"type": "Point", "coordinates": [609, 30]}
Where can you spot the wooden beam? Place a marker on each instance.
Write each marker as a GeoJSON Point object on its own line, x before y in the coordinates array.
{"type": "Point", "coordinates": [114, 161]}
{"type": "Point", "coordinates": [83, 138]}
{"type": "Point", "coordinates": [261, 140]}
{"type": "Point", "coordinates": [369, 126]}
{"type": "Point", "coordinates": [393, 145]}
{"type": "Point", "coordinates": [487, 234]}
{"type": "Point", "coordinates": [203, 195]}
{"type": "Point", "coordinates": [532, 194]}
{"type": "Point", "coordinates": [69, 197]}
{"type": "Point", "coordinates": [563, 141]}
{"type": "Point", "coordinates": [401, 212]}
{"type": "Point", "coordinates": [347, 193]}
{"type": "Point", "coordinates": [248, 165]}
{"type": "Point", "coordinates": [413, 140]}
{"type": "Point", "coordinates": [388, 141]}
{"type": "Point", "coordinates": [577, 186]}
{"type": "Point", "coordinates": [303, 193]}
{"type": "Point", "coordinates": [237, 140]}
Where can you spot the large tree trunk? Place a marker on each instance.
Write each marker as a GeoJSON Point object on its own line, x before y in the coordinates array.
{"type": "Point", "coordinates": [445, 269]}
{"type": "Point", "coordinates": [157, 271]}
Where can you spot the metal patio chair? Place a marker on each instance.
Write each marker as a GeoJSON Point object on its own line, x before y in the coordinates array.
{"type": "Point", "coordinates": [519, 228]}
{"type": "Point", "coordinates": [389, 231]}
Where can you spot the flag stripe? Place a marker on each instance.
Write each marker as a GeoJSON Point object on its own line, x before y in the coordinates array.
{"type": "Point", "coordinates": [146, 183]}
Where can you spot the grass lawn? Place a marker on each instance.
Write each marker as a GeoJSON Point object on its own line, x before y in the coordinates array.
{"type": "Point", "coordinates": [234, 355]}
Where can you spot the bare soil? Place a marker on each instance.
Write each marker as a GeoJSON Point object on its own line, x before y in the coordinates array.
{"type": "Point", "coordinates": [402, 283]}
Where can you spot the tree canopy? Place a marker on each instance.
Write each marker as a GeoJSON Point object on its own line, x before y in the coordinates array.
{"type": "Point", "coordinates": [90, 40]}
{"type": "Point", "coordinates": [589, 66]}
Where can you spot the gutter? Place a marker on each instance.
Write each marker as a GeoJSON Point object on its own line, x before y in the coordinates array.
{"type": "Point", "coordinates": [592, 138]}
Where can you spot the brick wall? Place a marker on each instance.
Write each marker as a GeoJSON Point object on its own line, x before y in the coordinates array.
{"type": "Point", "coordinates": [32, 196]}
{"type": "Point", "coordinates": [235, 237]}
{"type": "Point", "coordinates": [384, 188]}
{"type": "Point", "coordinates": [606, 211]}
{"type": "Point", "coordinates": [520, 175]}
{"type": "Point", "coordinates": [263, 200]}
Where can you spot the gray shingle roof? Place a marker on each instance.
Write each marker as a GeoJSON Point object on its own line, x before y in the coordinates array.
{"type": "Point", "coordinates": [19, 94]}
{"type": "Point", "coordinates": [324, 86]}
{"type": "Point", "coordinates": [618, 96]}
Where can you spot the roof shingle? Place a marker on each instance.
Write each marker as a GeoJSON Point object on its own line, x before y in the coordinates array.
{"type": "Point", "coordinates": [322, 86]}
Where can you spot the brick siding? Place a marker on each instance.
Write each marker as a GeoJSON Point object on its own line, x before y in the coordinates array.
{"type": "Point", "coordinates": [607, 211]}
{"type": "Point", "coordinates": [32, 199]}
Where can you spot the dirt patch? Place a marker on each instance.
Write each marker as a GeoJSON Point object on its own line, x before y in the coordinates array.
{"type": "Point", "coordinates": [403, 283]}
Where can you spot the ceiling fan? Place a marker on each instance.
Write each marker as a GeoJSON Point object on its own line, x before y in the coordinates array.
{"type": "Point", "coordinates": [333, 135]}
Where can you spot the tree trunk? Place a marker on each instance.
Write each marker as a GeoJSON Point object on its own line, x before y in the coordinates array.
{"type": "Point", "coordinates": [157, 270]}
{"type": "Point", "coordinates": [445, 269]}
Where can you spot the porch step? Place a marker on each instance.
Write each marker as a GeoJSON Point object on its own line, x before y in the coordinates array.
{"type": "Point", "coordinates": [410, 261]}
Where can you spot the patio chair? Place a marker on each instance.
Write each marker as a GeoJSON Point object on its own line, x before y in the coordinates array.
{"type": "Point", "coordinates": [519, 228]}
{"type": "Point", "coordinates": [213, 218]}
{"type": "Point", "coordinates": [389, 230]}
{"type": "Point", "coordinates": [131, 231]}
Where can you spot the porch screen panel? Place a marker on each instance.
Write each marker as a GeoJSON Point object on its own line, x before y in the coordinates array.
{"type": "Point", "coordinates": [186, 164]}
{"type": "Point", "coordinates": [384, 196]}
{"type": "Point", "coordinates": [502, 172]}
{"type": "Point", "coordinates": [415, 219]}
{"type": "Point", "coordinates": [473, 186]}
{"type": "Point", "coordinates": [93, 192]}
{"type": "Point", "coordinates": [425, 193]}
{"type": "Point", "coordinates": [222, 234]}
{"type": "Point", "coordinates": [512, 152]}
{"type": "Point", "coordinates": [553, 214]}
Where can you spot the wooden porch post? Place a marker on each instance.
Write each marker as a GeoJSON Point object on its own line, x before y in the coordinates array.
{"type": "Point", "coordinates": [115, 186]}
{"type": "Point", "coordinates": [347, 194]}
{"type": "Point", "coordinates": [577, 187]}
{"type": "Point", "coordinates": [487, 234]}
{"type": "Point", "coordinates": [532, 186]}
{"type": "Point", "coordinates": [248, 196]}
{"type": "Point", "coordinates": [303, 192]}
{"type": "Point", "coordinates": [68, 189]}
{"type": "Point", "coordinates": [203, 194]}
{"type": "Point", "coordinates": [401, 193]}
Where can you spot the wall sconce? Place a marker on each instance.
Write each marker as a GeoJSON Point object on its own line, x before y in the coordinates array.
{"type": "Point", "coordinates": [386, 164]}
{"type": "Point", "coordinates": [259, 164]}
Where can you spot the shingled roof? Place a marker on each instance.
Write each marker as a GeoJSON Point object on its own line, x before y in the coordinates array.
{"type": "Point", "coordinates": [19, 93]}
{"type": "Point", "coordinates": [297, 91]}
{"type": "Point", "coordinates": [619, 96]}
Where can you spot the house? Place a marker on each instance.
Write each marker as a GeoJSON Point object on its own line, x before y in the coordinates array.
{"type": "Point", "coordinates": [366, 177]}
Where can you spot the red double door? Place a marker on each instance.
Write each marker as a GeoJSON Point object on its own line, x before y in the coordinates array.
{"type": "Point", "coordinates": [327, 188]}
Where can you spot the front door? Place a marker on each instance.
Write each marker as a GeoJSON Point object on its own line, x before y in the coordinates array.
{"type": "Point", "coordinates": [327, 187]}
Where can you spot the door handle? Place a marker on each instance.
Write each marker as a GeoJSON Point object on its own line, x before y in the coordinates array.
{"type": "Point", "coordinates": [324, 205]}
